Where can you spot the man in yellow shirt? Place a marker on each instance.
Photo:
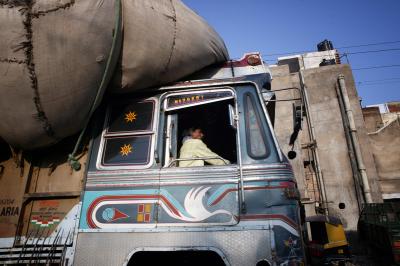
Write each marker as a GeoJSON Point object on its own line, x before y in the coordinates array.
{"type": "Point", "coordinates": [194, 147]}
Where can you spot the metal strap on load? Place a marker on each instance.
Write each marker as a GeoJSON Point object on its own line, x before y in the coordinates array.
{"type": "Point", "coordinates": [109, 70]}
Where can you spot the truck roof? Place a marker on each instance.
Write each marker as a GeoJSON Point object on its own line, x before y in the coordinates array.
{"type": "Point", "coordinates": [231, 71]}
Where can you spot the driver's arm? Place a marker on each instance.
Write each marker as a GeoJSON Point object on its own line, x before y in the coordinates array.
{"type": "Point", "coordinates": [203, 151]}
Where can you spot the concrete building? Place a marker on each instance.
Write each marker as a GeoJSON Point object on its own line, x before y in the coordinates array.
{"type": "Point", "coordinates": [383, 126]}
{"type": "Point", "coordinates": [335, 166]}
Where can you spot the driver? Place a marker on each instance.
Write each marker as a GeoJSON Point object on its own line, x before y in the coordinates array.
{"type": "Point", "coordinates": [194, 147]}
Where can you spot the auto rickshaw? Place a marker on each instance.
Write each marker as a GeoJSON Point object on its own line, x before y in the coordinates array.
{"type": "Point", "coordinates": [327, 243]}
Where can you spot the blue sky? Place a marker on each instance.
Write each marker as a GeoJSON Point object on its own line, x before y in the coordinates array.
{"type": "Point", "coordinates": [282, 26]}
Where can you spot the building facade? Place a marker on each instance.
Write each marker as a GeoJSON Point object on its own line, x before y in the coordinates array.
{"type": "Point", "coordinates": [335, 166]}
{"type": "Point", "coordinates": [383, 126]}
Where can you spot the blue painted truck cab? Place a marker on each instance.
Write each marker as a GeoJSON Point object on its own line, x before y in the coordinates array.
{"type": "Point", "coordinates": [138, 199]}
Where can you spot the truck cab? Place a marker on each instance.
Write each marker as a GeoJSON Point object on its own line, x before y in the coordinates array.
{"type": "Point", "coordinates": [140, 205]}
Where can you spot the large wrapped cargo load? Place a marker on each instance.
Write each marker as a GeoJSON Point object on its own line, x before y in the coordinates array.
{"type": "Point", "coordinates": [164, 41]}
{"type": "Point", "coordinates": [54, 56]}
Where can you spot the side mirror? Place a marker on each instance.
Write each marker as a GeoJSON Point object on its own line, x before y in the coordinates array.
{"type": "Point", "coordinates": [232, 116]}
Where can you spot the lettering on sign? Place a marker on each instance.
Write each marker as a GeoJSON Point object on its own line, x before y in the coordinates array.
{"type": "Point", "coordinates": [8, 208]}
{"type": "Point", "coordinates": [175, 101]}
{"type": "Point", "coordinates": [46, 213]}
{"type": "Point", "coordinates": [188, 99]}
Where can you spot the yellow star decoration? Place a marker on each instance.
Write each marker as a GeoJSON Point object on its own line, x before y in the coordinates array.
{"type": "Point", "coordinates": [126, 149]}
{"type": "Point", "coordinates": [130, 117]}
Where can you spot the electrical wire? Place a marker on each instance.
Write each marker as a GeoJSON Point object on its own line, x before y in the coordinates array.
{"type": "Point", "coordinates": [349, 53]}
{"type": "Point", "coordinates": [377, 84]}
{"type": "Point", "coordinates": [374, 67]}
{"type": "Point", "coordinates": [370, 44]}
{"type": "Point", "coordinates": [372, 51]}
{"type": "Point", "coordinates": [341, 47]}
{"type": "Point", "coordinates": [378, 80]}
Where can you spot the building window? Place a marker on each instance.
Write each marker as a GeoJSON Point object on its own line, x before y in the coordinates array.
{"type": "Point", "coordinates": [128, 136]}
{"type": "Point", "coordinates": [255, 134]}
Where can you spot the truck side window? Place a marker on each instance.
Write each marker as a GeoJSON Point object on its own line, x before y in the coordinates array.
{"type": "Point", "coordinates": [128, 135]}
{"type": "Point", "coordinates": [208, 111]}
{"type": "Point", "coordinates": [255, 135]}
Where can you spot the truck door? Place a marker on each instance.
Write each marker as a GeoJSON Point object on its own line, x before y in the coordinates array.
{"type": "Point", "coordinates": [203, 189]}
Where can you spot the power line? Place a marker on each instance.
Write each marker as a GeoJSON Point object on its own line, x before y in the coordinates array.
{"type": "Point", "coordinates": [353, 53]}
{"type": "Point", "coordinates": [378, 83]}
{"type": "Point", "coordinates": [341, 47]}
{"type": "Point", "coordinates": [369, 44]}
{"type": "Point", "coordinates": [344, 53]}
{"type": "Point", "coordinates": [309, 56]}
{"type": "Point", "coordinates": [289, 53]}
{"type": "Point", "coordinates": [378, 80]}
{"type": "Point", "coordinates": [375, 67]}
{"type": "Point", "coordinates": [359, 52]}
{"type": "Point", "coordinates": [372, 51]}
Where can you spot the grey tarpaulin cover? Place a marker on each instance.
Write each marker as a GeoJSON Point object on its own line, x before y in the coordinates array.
{"type": "Point", "coordinates": [53, 55]}
{"type": "Point", "coordinates": [164, 41]}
